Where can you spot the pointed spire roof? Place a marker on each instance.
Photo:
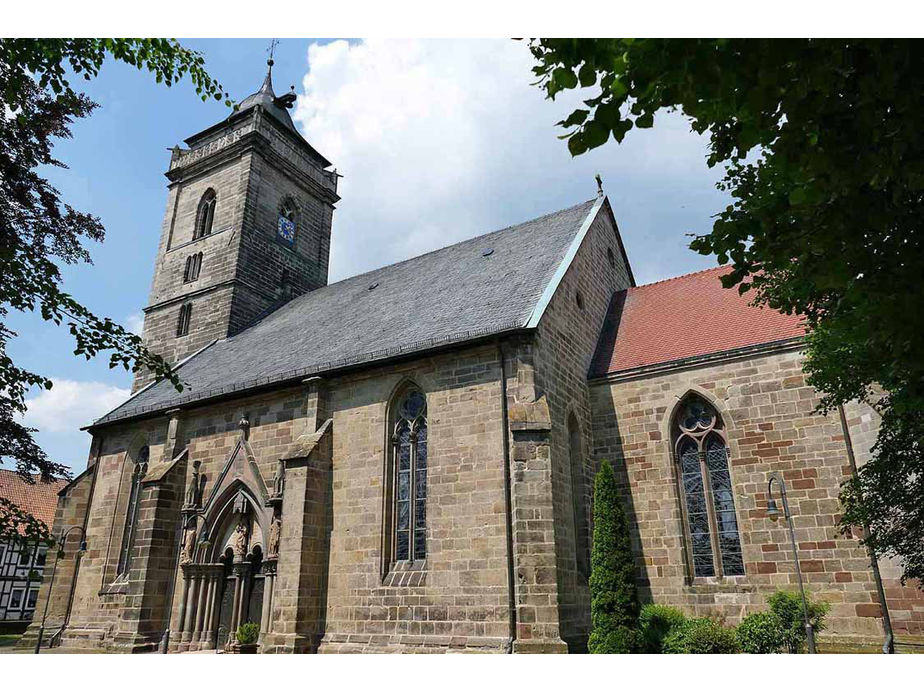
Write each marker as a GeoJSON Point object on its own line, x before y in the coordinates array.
{"type": "Point", "coordinates": [267, 99]}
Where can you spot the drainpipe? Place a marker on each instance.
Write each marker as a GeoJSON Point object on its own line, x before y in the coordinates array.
{"type": "Point", "coordinates": [888, 647]}
{"type": "Point", "coordinates": [508, 503]}
{"type": "Point", "coordinates": [86, 521]}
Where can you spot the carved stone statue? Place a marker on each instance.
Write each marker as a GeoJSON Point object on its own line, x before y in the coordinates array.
{"type": "Point", "coordinates": [239, 540]}
{"type": "Point", "coordinates": [192, 493]}
{"type": "Point", "coordinates": [279, 479]}
{"type": "Point", "coordinates": [274, 533]}
{"type": "Point", "coordinates": [188, 552]}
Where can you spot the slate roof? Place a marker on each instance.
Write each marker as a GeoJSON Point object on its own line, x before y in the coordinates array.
{"type": "Point", "coordinates": [684, 317]}
{"type": "Point", "coordinates": [39, 499]}
{"type": "Point", "coordinates": [444, 297]}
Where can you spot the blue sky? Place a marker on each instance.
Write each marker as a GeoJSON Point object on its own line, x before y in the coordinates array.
{"type": "Point", "coordinates": [437, 141]}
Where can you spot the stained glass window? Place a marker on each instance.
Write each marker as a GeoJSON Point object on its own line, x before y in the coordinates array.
{"type": "Point", "coordinates": [409, 443]}
{"type": "Point", "coordinates": [139, 469]}
{"type": "Point", "coordinates": [708, 496]}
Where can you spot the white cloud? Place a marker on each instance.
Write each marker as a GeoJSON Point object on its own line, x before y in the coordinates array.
{"type": "Point", "coordinates": [135, 322]}
{"type": "Point", "coordinates": [71, 404]}
{"type": "Point", "coordinates": [443, 140]}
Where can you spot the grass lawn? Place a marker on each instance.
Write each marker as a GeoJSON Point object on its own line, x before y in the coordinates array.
{"type": "Point", "coordinates": [9, 640]}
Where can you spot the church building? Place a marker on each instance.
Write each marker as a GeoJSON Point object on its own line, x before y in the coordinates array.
{"type": "Point", "coordinates": [403, 461]}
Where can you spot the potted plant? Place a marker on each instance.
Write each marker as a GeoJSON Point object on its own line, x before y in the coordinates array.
{"type": "Point", "coordinates": [246, 638]}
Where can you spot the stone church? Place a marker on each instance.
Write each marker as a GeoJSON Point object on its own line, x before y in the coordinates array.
{"type": "Point", "coordinates": [403, 461]}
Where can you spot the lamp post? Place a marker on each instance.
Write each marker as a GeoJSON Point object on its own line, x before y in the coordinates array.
{"type": "Point", "coordinates": [51, 583]}
{"type": "Point", "coordinates": [773, 512]}
{"type": "Point", "coordinates": [203, 541]}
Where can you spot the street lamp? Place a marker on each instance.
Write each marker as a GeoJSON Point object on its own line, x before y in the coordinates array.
{"type": "Point", "coordinates": [773, 512]}
{"type": "Point", "coordinates": [82, 549]}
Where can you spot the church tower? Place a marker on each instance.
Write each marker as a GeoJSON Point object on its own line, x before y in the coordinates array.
{"type": "Point", "coordinates": [247, 227]}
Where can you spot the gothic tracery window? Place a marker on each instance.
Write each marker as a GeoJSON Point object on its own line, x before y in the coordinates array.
{"type": "Point", "coordinates": [711, 526]}
{"type": "Point", "coordinates": [139, 469]}
{"type": "Point", "coordinates": [409, 478]}
{"type": "Point", "coordinates": [205, 215]}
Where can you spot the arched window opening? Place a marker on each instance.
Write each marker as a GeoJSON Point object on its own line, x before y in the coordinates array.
{"type": "Point", "coordinates": [139, 469]}
{"type": "Point", "coordinates": [701, 453]}
{"type": "Point", "coordinates": [193, 265]}
{"type": "Point", "coordinates": [578, 498]}
{"type": "Point", "coordinates": [287, 222]}
{"type": "Point", "coordinates": [408, 483]}
{"type": "Point", "coordinates": [182, 324]}
{"type": "Point", "coordinates": [205, 215]}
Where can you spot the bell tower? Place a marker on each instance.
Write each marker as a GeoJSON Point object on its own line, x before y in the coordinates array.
{"type": "Point", "coordinates": [249, 209]}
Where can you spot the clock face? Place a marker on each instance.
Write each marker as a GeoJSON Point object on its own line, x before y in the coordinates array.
{"type": "Point", "coordinates": [285, 230]}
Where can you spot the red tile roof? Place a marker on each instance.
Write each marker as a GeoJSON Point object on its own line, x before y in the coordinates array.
{"type": "Point", "coordinates": [38, 499]}
{"type": "Point", "coordinates": [684, 317]}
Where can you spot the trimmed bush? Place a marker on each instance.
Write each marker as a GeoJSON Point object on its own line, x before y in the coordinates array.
{"type": "Point", "coordinates": [761, 633]}
{"type": "Point", "coordinates": [614, 606]}
{"type": "Point", "coordinates": [700, 636]}
{"type": "Point", "coordinates": [655, 622]}
{"type": "Point", "coordinates": [247, 633]}
{"type": "Point", "coordinates": [788, 608]}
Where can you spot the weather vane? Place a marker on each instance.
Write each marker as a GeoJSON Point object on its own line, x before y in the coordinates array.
{"type": "Point", "coordinates": [272, 49]}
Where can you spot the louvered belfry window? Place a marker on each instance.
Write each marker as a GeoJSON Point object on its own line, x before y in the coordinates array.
{"type": "Point", "coordinates": [409, 494]}
{"type": "Point", "coordinates": [183, 320]}
{"type": "Point", "coordinates": [710, 524]}
{"type": "Point", "coordinates": [205, 215]}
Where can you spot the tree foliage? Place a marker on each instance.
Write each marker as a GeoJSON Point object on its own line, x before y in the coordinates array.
{"type": "Point", "coordinates": [824, 162]}
{"type": "Point", "coordinates": [614, 605]}
{"type": "Point", "coordinates": [39, 230]}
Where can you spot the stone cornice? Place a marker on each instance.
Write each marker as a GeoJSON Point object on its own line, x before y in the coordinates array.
{"type": "Point", "coordinates": [718, 357]}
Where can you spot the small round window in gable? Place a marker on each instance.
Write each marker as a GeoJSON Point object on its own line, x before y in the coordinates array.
{"type": "Point", "coordinates": [579, 299]}
{"type": "Point", "coordinates": [611, 257]}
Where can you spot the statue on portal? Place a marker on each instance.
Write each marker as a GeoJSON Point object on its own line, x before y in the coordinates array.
{"type": "Point", "coordinates": [239, 540]}
{"type": "Point", "coordinates": [188, 552]}
{"type": "Point", "coordinates": [274, 534]}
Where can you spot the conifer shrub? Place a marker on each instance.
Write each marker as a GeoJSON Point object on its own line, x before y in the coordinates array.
{"type": "Point", "coordinates": [655, 622]}
{"type": "Point", "coordinates": [761, 633]}
{"type": "Point", "coordinates": [614, 605]}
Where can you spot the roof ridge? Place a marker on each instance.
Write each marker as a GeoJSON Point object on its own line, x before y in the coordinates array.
{"type": "Point", "coordinates": [681, 276]}
{"type": "Point", "coordinates": [315, 292]}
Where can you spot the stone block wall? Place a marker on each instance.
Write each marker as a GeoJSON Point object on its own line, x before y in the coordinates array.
{"type": "Point", "coordinates": [768, 411]}
{"type": "Point", "coordinates": [567, 339]}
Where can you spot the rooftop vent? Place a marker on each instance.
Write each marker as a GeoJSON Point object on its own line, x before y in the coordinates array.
{"type": "Point", "coordinates": [486, 252]}
{"type": "Point", "coordinates": [373, 285]}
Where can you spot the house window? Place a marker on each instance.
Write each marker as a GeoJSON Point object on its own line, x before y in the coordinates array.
{"type": "Point", "coordinates": [139, 469]}
{"type": "Point", "coordinates": [16, 599]}
{"type": "Point", "coordinates": [408, 482]}
{"type": "Point", "coordinates": [701, 453]}
{"type": "Point", "coordinates": [182, 323]}
{"type": "Point", "coordinates": [578, 498]}
{"type": "Point", "coordinates": [193, 265]}
{"type": "Point", "coordinates": [205, 215]}
{"type": "Point", "coordinates": [286, 223]}
{"type": "Point", "coordinates": [41, 557]}
{"type": "Point", "coordinates": [33, 598]}
{"type": "Point", "coordinates": [25, 555]}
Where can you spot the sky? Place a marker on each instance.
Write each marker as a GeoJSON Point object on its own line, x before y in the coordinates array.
{"type": "Point", "coordinates": [437, 141]}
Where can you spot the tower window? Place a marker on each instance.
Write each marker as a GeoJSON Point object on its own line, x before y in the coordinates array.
{"type": "Point", "coordinates": [286, 226]}
{"type": "Point", "coordinates": [701, 454]}
{"type": "Point", "coordinates": [407, 486]}
{"type": "Point", "coordinates": [205, 214]}
{"type": "Point", "coordinates": [182, 324]}
{"type": "Point", "coordinates": [193, 265]}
